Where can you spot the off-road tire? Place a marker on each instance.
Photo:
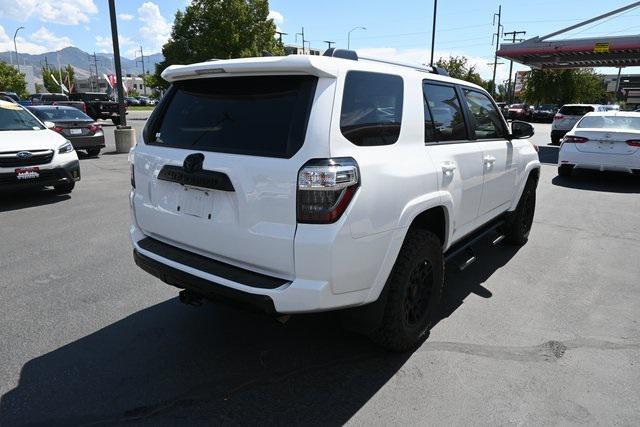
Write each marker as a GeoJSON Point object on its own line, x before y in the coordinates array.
{"type": "Point", "coordinates": [405, 326]}
{"type": "Point", "coordinates": [565, 170]}
{"type": "Point", "coordinates": [65, 188]}
{"type": "Point", "coordinates": [519, 225]}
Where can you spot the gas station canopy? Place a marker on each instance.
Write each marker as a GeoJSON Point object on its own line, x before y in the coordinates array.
{"type": "Point", "coordinates": [607, 51]}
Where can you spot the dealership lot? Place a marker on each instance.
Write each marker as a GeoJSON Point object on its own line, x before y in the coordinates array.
{"type": "Point", "coordinates": [545, 334]}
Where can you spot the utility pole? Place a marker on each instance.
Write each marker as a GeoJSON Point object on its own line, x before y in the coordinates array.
{"type": "Point", "coordinates": [144, 87]}
{"type": "Point", "coordinates": [116, 58]}
{"type": "Point", "coordinates": [433, 30]}
{"type": "Point", "coordinates": [303, 42]}
{"type": "Point", "coordinates": [618, 84]}
{"type": "Point", "coordinates": [497, 36]}
{"type": "Point", "coordinates": [513, 34]}
{"type": "Point", "coordinates": [329, 43]}
{"type": "Point", "coordinates": [59, 71]}
{"type": "Point", "coordinates": [280, 34]}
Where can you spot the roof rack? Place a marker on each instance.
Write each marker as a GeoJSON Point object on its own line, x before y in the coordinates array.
{"type": "Point", "coordinates": [352, 55]}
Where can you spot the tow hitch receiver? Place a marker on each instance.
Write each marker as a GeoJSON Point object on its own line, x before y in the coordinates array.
{"type": "Point", "coordinates": [190, 298]}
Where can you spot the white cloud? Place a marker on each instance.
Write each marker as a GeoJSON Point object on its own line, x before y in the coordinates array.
{"type": "Point", "coordinates": [41, 41]}
{"type": "Point", "coordinates": [127, 45]}
{"type": "Point", "coordinates": [50, 40]}
{"type": "Point", "coordinates": [65, 12]}
{"type": "Point", "coordinates": [156, 30]}
{"type": "Point", "coordinates": [277, 17]}
{"type": "Point", "coordinates": [421, 56]}
{"type": "Point", "coordinates": [125, 16]}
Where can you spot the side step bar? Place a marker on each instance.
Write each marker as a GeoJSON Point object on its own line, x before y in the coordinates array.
{"type": "Point", "coordinates": [463, 253]}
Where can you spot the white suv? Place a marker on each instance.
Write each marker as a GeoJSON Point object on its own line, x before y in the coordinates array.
{"type": "Point", "coordinates": [302, 184]}
{"type": "Point", "coordinates": [566, 118]}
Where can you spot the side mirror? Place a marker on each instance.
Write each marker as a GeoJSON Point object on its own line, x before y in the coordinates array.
{"type": "Point", "coordinates": [521, 130]}
{"type": "Point", "coordinates": [49, 125]}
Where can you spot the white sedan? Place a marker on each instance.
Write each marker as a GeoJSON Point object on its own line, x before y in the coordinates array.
{"type": "Point", "coordinates": [604, 141]}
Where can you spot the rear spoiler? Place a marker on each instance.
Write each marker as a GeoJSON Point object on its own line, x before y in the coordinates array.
{"type": "Point", "coordinates": [292, 64]}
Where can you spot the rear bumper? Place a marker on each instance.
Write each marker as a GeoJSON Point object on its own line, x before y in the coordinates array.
{"type": "Point", "coordinates": [68, 172]}
{"type": "Point", "coordinates": [569, 155]}
{"type": "Point", "coordinates": [83, 142]}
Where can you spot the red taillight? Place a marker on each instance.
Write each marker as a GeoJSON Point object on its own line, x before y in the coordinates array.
{"type": "Point", "coordinates": [558, 117]}
{"type": "Point", "coordinates": [57, 129]}
{"type": "Point", "coordinates": [325, 189]}
{"type": "Point", "coordinates": [634, 142]}
{"type": "Point", "coordinates": [575, 139]}
{"type": "Point", "coordinates": [94, 128]}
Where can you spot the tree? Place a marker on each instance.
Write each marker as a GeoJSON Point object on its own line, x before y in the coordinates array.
{"type": "Point", "coordinates": [564, 86]}
{"type": "Point", "coordinates": [12, 80]}
{"type": "Point", "coordinates": [458, 67]}
{"type": "Point", "coordinates": [219, 29]}
{"type": "Point", "coordinates": [68, 78]}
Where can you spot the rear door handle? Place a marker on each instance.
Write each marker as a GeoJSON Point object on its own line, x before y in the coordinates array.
{"type": "Point", "coordinates": [448, 168]}
{"type": "Point", "coordinates": [489, 159]}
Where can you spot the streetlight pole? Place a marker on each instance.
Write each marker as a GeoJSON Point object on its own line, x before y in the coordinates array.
{"type": "Point", "coordinates": [116, 58]}
{"type": "Point", "coordinates": [433, 30]}
{"type": "Point", "coordinates": [349, 35]}
{"type": "Point", "coordinates": [15, 46]}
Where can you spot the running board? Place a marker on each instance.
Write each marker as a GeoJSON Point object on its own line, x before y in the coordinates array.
{"type": "Point", "coordinates": [463, 253]}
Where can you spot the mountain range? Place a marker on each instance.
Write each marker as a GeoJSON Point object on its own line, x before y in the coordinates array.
{"type": "Point", "coordinates": [82, 61]}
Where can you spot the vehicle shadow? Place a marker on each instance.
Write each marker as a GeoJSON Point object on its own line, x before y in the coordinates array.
{"type": "Point", "coordinates": [28, 198]}
{"type": "Point", "coordinates": [170, 364]}
{"type": "Point", "coordinates": [610, 182]}
{"type": "Point", "coordinates": [460, 284]}
{"type": "Point", "coordinates": [548, 154]}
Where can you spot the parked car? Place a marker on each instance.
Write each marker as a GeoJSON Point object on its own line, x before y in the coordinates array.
{"type": "Point", "coordinates": [130, 100]}
{"type": "Point", "coordinates": [83, 132]}
{"type": "Point", "coordinates": [145, 100]}
{"type": "Point", "coordinates": [99, 106]}
{"type": "Point", "coordinates": [32, 155]}
{"type": "Point", "coordinates": [612, 107]}
{"type": "Point", "coordinates": [604, 141]}
{"type": "Point", "coordinates": [55, 99]}
{"type": "Point", "coordinates": [544, 113]}
{"type": "Point", "coordinates": [11, 95]}
{"type": "Point", "coordinates": [566, 118]}
{"type": "Point", "coordinates": [302, 184]}
{"type": "Point", "coordinates": [519, 111]}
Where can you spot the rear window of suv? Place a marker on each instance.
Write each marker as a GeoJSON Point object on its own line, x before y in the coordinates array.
{"type": "Point", "coordinates": [575, 110]}
{"type": "Point", "coordinates": [258, 115]}
{"type": "Point", "coordinates": [371, 108]}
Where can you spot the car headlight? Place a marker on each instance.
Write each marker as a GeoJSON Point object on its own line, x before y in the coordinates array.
{"type": "Point", "coordinates": [65, 148]}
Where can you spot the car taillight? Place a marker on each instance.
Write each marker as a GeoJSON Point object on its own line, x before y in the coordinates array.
{"type": "Point", "coordinates": [558, 117]}
{"type": "Point", "coordinates": [133, 177]}
{"type": "Point", "coordinates": [57, 129]}
{"type": "Point", "coordinates": [634, 142]}
{"type": "Point", "coordinates": [325, 189]}
{"type": "Point", "coordinates": [94, 128]}
{"type": "Point", "coordinates": [575, 139]}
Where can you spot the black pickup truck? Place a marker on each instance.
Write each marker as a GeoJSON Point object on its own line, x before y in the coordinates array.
{"type": "Point", "coordinates": [98, 105]}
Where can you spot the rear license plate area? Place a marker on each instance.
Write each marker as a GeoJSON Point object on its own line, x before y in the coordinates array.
{"type": "Point", "coordinates": [27, 173]}
{"type": "Point", "coordinates": [75, 131]}
{"type": "Point", "coordinates": [195, 202]}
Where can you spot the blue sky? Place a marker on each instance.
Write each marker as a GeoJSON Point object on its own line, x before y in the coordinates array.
{"type": "Point", "coordinates": [399, 29]}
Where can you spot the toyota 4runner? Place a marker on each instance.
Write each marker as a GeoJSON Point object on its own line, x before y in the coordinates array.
{"type": "Point", "coordinates": [303, 184]}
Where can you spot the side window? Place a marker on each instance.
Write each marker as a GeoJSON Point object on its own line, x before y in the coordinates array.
{"type": "Point", "coordinates": [487, 121]}
{"type": "Point", "coordinates": [443, 114]}
{"type": "Point", "coordinates": [371, 108]}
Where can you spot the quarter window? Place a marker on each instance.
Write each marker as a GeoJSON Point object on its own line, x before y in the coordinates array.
{"type": "Point", "coordinates": [371, 108]}
{"type": "Point", "coordinates": [486, 120]}
{"type": "Point", "coordinates": [443, 120]}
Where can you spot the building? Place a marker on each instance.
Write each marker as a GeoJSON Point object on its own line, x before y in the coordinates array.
{"type": "Point", "coordinates": [629, 89]}
{"type": "Point", "coordinates": [131, 83]}
{"type": "Point", "coordinates": [298, 50]}
{"type": "Point", "coordinates": [29, 78]}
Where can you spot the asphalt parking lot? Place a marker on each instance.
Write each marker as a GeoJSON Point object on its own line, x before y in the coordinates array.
{"type": "Point", "coordinates": [546, 334]}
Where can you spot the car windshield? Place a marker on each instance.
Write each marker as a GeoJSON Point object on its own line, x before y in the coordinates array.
{"type": "Point", "coordinates": [14, 117]}
{"type": "Point", "coordinates": [610, 122]}
{"type": "Point", "coordinates": [60, 114]}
